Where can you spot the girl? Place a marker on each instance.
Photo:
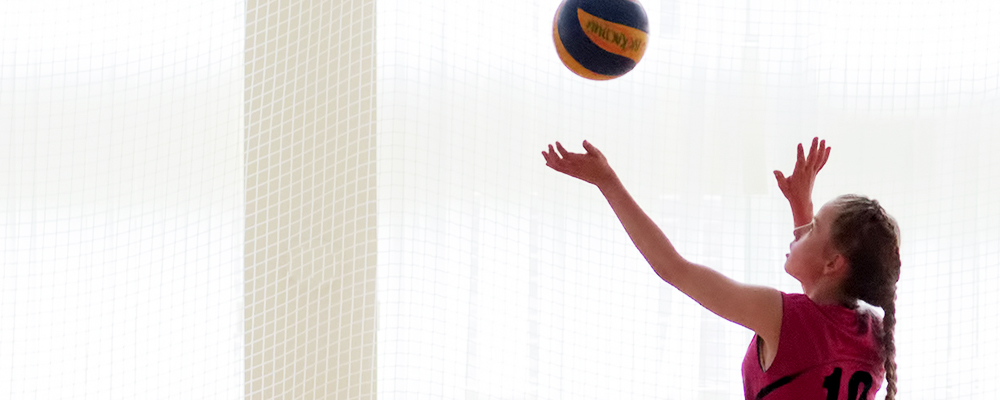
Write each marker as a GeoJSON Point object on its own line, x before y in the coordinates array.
{"type": "Point", "coordinates": [821, 344]}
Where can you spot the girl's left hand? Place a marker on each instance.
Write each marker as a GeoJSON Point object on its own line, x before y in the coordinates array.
{"type": "Point", "coordinates": [590, 167]}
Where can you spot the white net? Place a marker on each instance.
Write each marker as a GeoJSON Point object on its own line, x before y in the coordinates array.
{"type": "Point", "coordinates": [310, 244]}
{"type": "Point", "coordinates": [499, 278]}
{"type": "Point", "coordinates": [121, 199]}
{"type": "Point", "coordinates": [373, 170]}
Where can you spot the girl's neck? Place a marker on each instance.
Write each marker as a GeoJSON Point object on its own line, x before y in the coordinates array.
{"type": "Point", "coordinates": [826, 295]}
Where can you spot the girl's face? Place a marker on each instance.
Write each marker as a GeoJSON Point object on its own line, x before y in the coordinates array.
{"type": "Point", "coordinates": [813, 250]}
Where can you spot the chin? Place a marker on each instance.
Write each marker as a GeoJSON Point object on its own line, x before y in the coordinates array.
{"type": "Point", "coordinates": [790, 271]}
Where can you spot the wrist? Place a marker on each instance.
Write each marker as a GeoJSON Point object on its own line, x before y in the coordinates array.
{"type": "Point", "coordinates": [610, 184]}
{"type": "Point", "coordinates": [800, 203]}
{"type": "Point", "coordinates": [802, 213]}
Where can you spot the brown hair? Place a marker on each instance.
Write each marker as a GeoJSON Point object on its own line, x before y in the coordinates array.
{"type": "Point", "coordinates": [869, 238]}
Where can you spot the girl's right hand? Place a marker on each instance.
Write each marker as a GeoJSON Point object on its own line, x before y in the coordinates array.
{"type": "Point", "coordinates": [797, 187]}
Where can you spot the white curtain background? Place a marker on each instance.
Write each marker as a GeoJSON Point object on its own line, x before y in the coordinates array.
{"type": "Point", "coordinates": [122, 194]}
{"type": "Point", "coordinates": [121, 199]}
{"type": "Point", "coordinates": [499, 278]}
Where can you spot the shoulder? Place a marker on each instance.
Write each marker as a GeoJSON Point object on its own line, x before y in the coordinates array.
{"type": "Point", "coordinates": [797, 302]}
{"type": "Point", "coordinates": [794, 297]}
{"type": "Point", "coordinates": [799, 315]}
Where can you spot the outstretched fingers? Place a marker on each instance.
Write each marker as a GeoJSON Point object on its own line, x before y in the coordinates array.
{"type": "Point", "coordinates": [816, 159]}
{"type": "Point", "coordinates": [548, 154]}
{"type": "Point", "coordinates": [800, 158]}
{"type": "Point", "coordinates": [811, 158]}
{"type": "Point", "coordinates": [552, 158]}
{"type": "Point", "coordinates": [562, 150]}
{"type": "Point", "coordinates": [826, 156]}
{"type": "Point", "coordinates": [558, 158]}
{"type": "Point", "coordinates": [818, 154]}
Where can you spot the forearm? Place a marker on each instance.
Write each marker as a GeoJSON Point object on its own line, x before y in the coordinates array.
{"type": "Point", "coordinates": [645, 234]}
{"type": "Point", "coordinates": [756, 307]}
{"type": "Point", "coordinates": [802, 213]}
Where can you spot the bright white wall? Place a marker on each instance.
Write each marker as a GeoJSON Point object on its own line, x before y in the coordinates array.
{"type": "Point", "coordinates": [128, 187]}
{"type": "Point", "coordinates": [121, 199]}
{"type": "Point", "coordinates": [499, 278]}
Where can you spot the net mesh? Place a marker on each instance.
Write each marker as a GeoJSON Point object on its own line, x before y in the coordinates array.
{"type": "Point", "coordinates": [499, 278]}
{"type": "Point", "coordinates": [121, 199]}
{"type": "Point", "coordinates": [373, 170]}
{"type": "Point", "coordinates": [310, 178]}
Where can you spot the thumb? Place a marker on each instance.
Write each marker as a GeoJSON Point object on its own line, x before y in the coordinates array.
{"type": "Point", "coordinates": [782, 181]}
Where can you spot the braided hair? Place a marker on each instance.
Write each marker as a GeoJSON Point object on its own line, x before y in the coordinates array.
{"type": "Point", "coordinates": [869, 238]}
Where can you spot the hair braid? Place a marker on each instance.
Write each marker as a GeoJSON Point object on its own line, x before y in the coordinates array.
{"type": "Point", "coordinates": [889, 347]}
{"type": "Point", "coordinates": [869, 238]}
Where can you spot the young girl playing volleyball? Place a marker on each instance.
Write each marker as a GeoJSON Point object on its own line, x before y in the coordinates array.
{"type": "Point", "coordinates": [816, 345]}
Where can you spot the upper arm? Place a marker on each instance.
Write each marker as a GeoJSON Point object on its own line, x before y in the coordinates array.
{"type": "Point", "coordinates": [758, 308]}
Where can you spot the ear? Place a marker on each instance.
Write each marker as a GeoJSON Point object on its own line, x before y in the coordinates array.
{"type": "Point", "coordinates": [837, 266]}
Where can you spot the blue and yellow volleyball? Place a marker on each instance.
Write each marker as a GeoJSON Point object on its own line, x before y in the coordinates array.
{"type": "Point", "coordinates": [600, 39]}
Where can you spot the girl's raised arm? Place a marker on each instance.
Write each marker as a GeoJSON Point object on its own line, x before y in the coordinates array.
{"type": "Point", "coordinates": [798, 186]}
{"type": "Point", "coordinates": [756, 307]}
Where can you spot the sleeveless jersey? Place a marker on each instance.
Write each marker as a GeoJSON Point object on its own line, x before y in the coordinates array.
{"type": "Point", "coordinates": [825, 352]}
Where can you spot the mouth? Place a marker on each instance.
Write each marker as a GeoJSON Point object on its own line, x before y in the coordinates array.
{"type": "Point", "coordinates": [786, 255]}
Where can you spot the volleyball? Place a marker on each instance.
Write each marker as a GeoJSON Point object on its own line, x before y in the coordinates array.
{"type": "Point", "coordinates": [600, 39]}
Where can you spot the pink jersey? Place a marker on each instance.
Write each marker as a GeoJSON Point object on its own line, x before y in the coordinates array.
{"type": "Point", "coordinates": [825, 352]}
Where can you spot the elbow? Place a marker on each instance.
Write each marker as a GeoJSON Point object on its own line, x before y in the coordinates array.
{"type": "Point", "coordinates": [671, 270]}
